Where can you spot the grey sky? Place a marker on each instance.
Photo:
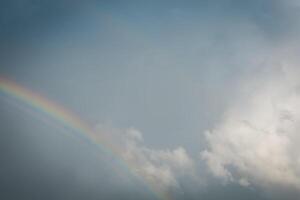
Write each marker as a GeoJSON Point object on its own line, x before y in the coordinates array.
{"type": "Point", "coordinates": [171, 70]}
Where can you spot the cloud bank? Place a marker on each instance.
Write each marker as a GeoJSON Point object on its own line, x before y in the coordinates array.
{"type": "Point", "coordinates": [257, 141]}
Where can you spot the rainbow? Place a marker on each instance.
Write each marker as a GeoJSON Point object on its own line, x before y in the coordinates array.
{"type": "Point", "coordinates": [70, 120]}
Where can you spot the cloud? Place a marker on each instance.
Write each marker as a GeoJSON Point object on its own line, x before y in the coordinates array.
{"type": "Point", "coordinates": [257, 141]}
{"type": "Point", "coordinates": [160, 168]}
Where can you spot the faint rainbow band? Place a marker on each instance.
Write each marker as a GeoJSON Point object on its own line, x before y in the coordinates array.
{"type": "Point", "coordinates": [70, 120]}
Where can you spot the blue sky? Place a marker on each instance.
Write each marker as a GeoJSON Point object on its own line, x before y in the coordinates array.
{"type": "Point", "coordinates": [200, 96]}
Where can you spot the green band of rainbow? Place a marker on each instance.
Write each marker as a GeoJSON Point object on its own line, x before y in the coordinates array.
{"type": "Point", "coordinates": [67, 119]}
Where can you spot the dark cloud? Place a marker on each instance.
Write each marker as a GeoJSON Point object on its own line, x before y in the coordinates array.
{"type": "Point", "coordinates": [19, 18]}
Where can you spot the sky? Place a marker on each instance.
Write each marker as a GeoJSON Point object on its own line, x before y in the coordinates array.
{"type": "Point", "coordinates": [186, 99]}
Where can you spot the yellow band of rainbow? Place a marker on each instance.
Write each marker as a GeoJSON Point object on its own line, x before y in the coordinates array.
{"type": "Point", "coordinates": [66, 118]}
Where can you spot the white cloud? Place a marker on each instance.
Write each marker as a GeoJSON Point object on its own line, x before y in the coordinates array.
{"type": "Point", "coordinates": [159, 168]}
{"type": "Point", "coordinates": [257, 141]}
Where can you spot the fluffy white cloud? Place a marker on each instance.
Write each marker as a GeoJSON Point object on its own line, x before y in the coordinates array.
{"type": "Point", "coordinates": [159, 168]}
{"type": "Point", "coordinates": [257, 141]}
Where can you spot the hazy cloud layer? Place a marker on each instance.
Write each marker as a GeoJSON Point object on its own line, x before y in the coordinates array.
{"type": "Point", "coordinates": [171, 69]}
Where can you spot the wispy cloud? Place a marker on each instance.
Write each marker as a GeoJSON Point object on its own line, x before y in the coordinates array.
{"type": "Point", "coordinates": [160, 168]}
